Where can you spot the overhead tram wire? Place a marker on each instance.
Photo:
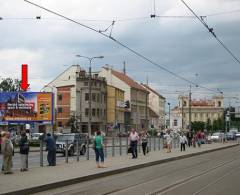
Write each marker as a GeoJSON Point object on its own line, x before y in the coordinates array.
{"type": "Point", "coordinates": [123, 45]}
{"type": "Point", "coordinates": [212, 32]}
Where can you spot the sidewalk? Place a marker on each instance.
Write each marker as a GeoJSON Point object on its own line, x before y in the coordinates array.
{"type": "Point", "coordinates": [43, 178]}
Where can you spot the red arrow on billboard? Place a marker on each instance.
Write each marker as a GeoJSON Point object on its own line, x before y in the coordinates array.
{"type": "Point", "coordinates": [24, 83]}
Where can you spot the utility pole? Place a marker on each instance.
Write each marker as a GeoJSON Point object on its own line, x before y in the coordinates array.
{"type": "Point", "coordinates": [90, 91]}
{"type": "Point", "coordinates": [182, 112]}
{"type": "Point", "coordinates": [190, 109]}
{"type": "Point", "coordinates": [169, 115]}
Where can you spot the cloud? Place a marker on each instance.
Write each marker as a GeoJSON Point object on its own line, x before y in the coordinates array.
{"type": "Point", "coordinates": [183, 46]}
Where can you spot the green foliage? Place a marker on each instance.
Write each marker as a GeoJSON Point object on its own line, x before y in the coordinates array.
{"type": "Point", "coordinates": [73, 124]}
{"type": "Point", "coordinates": [198, 125]}
{"type": "Point", "coordinates": [9, 84]}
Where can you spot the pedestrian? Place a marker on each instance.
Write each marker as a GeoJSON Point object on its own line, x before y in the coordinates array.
{"type": "Point", "coordinates": [199, 138]}
{"type": "Point", "coordinates": [51, 148]}
{"type": "Point", "coordinates": [144, 141]}
{"type": "Point", "coordinates": [183, 141]}
{"type": "Point", "coordinates": [189, 138]}
{"type": "Point", "coordinates": [7, 151]}
{"type": "Point", "coordinates": [98, 141]}
{"type": "Point", "coordinates": [169, 141]}
{"type": "Point", "coordinates": [24, 150]}
{"type": "Point", "coordinates": [133, 139]}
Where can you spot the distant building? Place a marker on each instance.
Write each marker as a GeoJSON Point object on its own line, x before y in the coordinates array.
{"type": "Point", "coordinates": [72, 97]}
{"type": "Point", "coordinates": [157, 105]}
{"type": "Point", "coordinates": [201, 110]}
{"type": "Point", "coordinates": [135, 98]}
{"type": "Point", "coordinates": [115, 110]}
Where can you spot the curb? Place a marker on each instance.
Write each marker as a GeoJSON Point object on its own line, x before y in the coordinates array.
{"type": "Point", "coordinates": [49, 186]}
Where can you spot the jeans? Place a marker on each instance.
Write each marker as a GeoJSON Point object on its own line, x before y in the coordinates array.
{"type": "Point", "coordinates": [133, 145]}
{"type": "Point", "coordinates": [99, 154]}
{"type": "Point", "coordinates": [144, 147]}
{"type": "Point", "coordinates": [24, 161]}
{"type": "Point", "coordinates": [51, 157]}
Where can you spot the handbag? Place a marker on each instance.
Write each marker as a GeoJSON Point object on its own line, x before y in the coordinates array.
{"type": "Point", "coordinates": [130, 150]}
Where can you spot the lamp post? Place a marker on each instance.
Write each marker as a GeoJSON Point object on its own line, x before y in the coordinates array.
{"type": "Point", "coordinates": [169, 114]}
{"type": "Point", "coordinates": [90, 90]}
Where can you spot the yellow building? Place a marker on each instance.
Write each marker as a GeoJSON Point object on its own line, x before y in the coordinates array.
{"type": "Point", "coordinates": [115, 110]}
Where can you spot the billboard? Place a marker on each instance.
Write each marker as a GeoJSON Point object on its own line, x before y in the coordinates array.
{"type": "Point", "coordinates": [26, 107]}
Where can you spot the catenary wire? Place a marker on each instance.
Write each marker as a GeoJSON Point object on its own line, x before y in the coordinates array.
{"type": "Point", "coordinates": [123, 45]}
{"type": "Point", "coordinates": [212, 32]}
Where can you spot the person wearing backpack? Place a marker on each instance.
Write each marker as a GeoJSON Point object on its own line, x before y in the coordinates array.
{"type": "Point", "coordinates": [24, 150]}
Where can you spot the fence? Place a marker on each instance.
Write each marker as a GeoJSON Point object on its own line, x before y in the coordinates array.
{"type": "Point", "coordinates": [113, 146]}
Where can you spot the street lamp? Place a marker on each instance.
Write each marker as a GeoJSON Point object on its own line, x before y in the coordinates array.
{"type": "Point", "coordinates": [169, 114]}
{"type": "Point", "coordinates": [90, 90]}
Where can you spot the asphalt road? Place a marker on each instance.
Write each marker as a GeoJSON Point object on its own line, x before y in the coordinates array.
{"type": "Point", "coordinates": [209, 174]}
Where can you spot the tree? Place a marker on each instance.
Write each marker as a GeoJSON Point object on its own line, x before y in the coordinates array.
{"type": "Point", "coordinates": [9, 84]}
{"type": "Point", "coordinates": [209, 125]}
{"type": "Point", "coordinates": [73, 124]}
{"type": "Point", "coordinates": [218, 124]}
{"type": "Point", "coordinates": [198, 125]}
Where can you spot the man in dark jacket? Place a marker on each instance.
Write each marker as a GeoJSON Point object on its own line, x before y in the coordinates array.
{"type": "Point", "coordinates": [51, 148]}
{"type": "Point", "coordinates": [24, 150]}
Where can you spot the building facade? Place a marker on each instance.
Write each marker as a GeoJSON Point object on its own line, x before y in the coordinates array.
{"type": "Point", "coordinates": [157, 104]}
{"type": "Point", "coordinates": [71, 90]}
{"type": "Point", "coordinates": [115, 110]}
{"type": "Point", "coordinates": [135, 98]}
{"type": "Point", "coordinates": [201, 110]}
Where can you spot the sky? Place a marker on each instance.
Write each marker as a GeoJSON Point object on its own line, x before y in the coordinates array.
{"type": "Point", "coordinates": [181, 45]}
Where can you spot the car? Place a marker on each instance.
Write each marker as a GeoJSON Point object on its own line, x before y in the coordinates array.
{"type": "Point", "coordinates": [72, 139]}
{"type": "Point", "coordinates": [217, 136]}
{"type": "Point", "coordinates": [36, 136]}
{"type": "Point", "coordinates": [231, 135]}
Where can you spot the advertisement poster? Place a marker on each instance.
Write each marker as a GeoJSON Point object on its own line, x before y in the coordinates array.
{"type": "Point", "coordinates": [26, 106]}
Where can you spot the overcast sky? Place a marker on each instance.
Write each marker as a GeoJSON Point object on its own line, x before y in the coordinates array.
{"type": "Point", "coordinates": [181, 45]}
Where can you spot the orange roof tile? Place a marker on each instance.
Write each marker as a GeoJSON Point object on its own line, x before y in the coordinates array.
{"type": "Point", "coordinates": [128, 81]}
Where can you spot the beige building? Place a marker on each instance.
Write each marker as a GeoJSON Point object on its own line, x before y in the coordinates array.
{"type": "Point", "coordinates": [135, 98]}
{"type": "Point", "coordinates": [157, 105]}
{"type": "Point", "coordinates": [115, 110]}
{"type": "Point", "coordinates": [201, 110]}
{"type": "Point", "coordinates": [71, 89]}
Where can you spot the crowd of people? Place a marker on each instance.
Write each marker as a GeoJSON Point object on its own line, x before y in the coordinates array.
{"type": "Point", "coordinates": [134, 139]}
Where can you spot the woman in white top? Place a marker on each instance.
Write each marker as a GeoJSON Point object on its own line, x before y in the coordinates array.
{"type": "Point", "coordinates": [169, 142]}
{"type": "Point", "coordinates": [133, 139]}
{"type": "Point", "coordinates": [183, 140]}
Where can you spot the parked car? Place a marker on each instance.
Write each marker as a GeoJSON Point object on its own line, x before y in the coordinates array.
{"type": "Point", "coordinates": [217, 136]}
{"type": "Point", "coordinates": [231, 135]}
{"type": "Point", "coordinates": [237, 135]}
{"type": "Point", "coordinates": [72, 139]}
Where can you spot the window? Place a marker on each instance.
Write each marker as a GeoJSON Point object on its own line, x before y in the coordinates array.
{"type": "Point", "coordinates": [98, 97]}
{"type": "Point", "coordinates": [86, 96]}
{"type": "Point", "coordinates": [60, 110]}
{"type": "Point", "coordinates": [60, 124]}
{"type": "Point", "coordinates": [94, 97]}
{"type": "Point", "coordinates": [175, 122]}
{"type": "Point", "coordinates": [219, 104]}
{"type": "Point", "coordinates": [98, 112]}
{"type": "Point", "coordinates": [60, 97]}
{"type": "Point", "coordinates": [86, 83]}
{"type": "Point", "coordinates": [184, 103]}
{"type": "Point", "coordinates": [93, 112]}
{"type": "Point", "coordinates": [86, 111]}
